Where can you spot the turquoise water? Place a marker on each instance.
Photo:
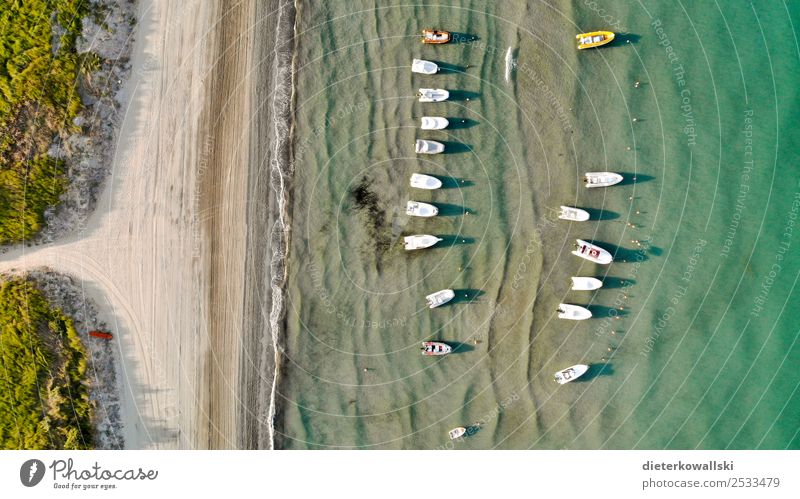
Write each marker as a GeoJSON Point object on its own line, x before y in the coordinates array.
{"type": "Point", "coordinates": [693, 342]}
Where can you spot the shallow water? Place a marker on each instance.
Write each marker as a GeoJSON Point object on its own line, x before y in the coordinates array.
{"type": "Point", "coordinates": [699, 355]}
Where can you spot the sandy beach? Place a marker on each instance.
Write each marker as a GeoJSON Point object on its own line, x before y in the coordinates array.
{"type": "Point", "coordinates": [164, 246]}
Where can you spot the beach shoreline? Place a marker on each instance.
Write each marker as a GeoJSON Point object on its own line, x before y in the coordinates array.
{"type": "Point", "coordinates": [270, 171]}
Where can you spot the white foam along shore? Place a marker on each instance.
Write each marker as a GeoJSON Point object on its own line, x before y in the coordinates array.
{"type": "Point", "coordinates": [140, 254]}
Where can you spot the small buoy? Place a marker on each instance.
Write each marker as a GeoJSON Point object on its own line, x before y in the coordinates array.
{"type": "Point", "coordinates": [629, 148]}
{"type": "Point", "coordinates": [635, 120]}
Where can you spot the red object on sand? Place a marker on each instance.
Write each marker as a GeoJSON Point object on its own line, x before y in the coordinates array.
{"type": "Point", "coordinates": [101, 334]}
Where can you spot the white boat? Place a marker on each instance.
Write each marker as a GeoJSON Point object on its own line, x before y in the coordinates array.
{"type": "Point", "coordinates": [434, 123]}
{"type": "Point", "coordinates": [574, 214]}
{"type": "Point", "coordinates": [573, 312]}
{"type": "Point", "coordinates": [424, 67]}
{"type": "Point", "coordinates": [421, 181]}
{"type": "Point", "coordinates": [435, 348]}
{"type": "Point", "coordinates": [440, 297]}
{"type": "Point", "coordinates": [601, 179]}
{"type": "Point", "coordinates": [433, 95]}
{"type": "Point", "coordinates": [592, 252]}
{"type": "Point", "coordinates": [428, 146]}
{"type": "Point", "coordinates": [420, 241]}
{"type": "Point", "coordinates": [571, 373]}
{"type": "Point", "coordinates": [586, 283]}
{"type": "Point", "coordinates": [419, 209]}
{"type": "Point", "coordinates": [457, 432]}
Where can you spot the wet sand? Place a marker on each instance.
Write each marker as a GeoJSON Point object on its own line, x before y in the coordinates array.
{"type": "Point", "coordinates": [267, 221]}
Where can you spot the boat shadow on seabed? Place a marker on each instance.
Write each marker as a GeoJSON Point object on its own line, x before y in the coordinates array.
{"type": "Point", "coordinates": [616, 282]}
{"type": "Point", "coordinates": [626, 255]}
{"type": "Point", "coordinates": [454, 240]}
{"type": "Point", "coordinates": [596, 370]}
{"type": "Point", "coordinates": [448, 68]}
{"type": "Point", "coordinates": [457, 123]}
{"type": "Point", "coordinates": [456, 38]}
{"type": "Point", "coordinates": [622, 39]}
{"type": "Point", "coordinates": [463, 95]}
{"type": "Point", "coordinates": [630, 178]}
{"type": "Point", "coordinates": [453, 210]}
{"type": "Point", "coordinates": [454, 183]}
{"type": "Point", "coordinates": [451, 147]}
{"type": "Point", "coordinates": [459, 347]}
{"type": "Point", "coordinates": [601, 311]}
{"type": "Point", "coordinates": [466, 295]}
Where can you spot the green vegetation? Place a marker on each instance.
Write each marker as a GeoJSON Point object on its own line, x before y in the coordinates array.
{"type": "Point", "coordinates": [38, 99]}
{"type": "Point", "coordinates": [44, 399]}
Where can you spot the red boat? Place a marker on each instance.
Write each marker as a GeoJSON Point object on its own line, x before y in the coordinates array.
{"type": "Point", "coordinates": [101, 334]}
{"type": "Point", "coordinates": [435, 36]}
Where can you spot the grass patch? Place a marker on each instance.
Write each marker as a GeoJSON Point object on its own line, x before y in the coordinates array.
{"type": "Point", "coordinates": [44, 396]}
{"type": "Point", "coordinates": [39, 70]}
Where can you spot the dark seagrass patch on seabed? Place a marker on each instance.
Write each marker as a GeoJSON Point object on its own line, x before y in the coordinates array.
{"type": "Point", "coordinates": [367, 203]}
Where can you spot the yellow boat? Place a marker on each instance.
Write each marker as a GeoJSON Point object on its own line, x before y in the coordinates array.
{"type": "Point", "coordinates": [593, 39]}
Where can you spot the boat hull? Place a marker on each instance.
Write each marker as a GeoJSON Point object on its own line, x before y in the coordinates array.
{"type": "Point", "coordinates": [420, 241]}
{"type": "Point", "coordinates": [424, 67]}
{"type": "Point", "coordinates": [439, 298]}
{"type": "Point", "coordinates": [433, 95]}
{"type": "Point", "coordinates": [573, 312]}
{"type": "Point", "coordinates": [586, 283]}
{"type": "Point", "coordinates": [434, 123]}
{"type": "Point", "coordinates": [426, 182]}
{"type": "Point", "coordinates": [573, 214]}
{"type": "Point", "coordinates": [601, 179]}
{"type": "Point", "coordinates": [592, 252]}
{"type": "Point", "coordinates": [571, 373]}
{"type": "Point", "coordinates": [435, 37]}
{"type": "Point", "coordinates": [435, 348]}
{"type": "Point", "coordinates": [457, 432]}
{"type": "Point", "coordinates": [594, 39]}
{"type": "Point", "coordinates": [419, 209]}
{"type": "Point", "coordinates": [428, 147]}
